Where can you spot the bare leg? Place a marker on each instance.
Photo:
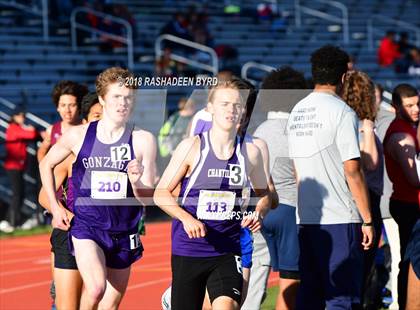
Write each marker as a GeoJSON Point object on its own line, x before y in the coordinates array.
{"type": "Point", "coordinates": [286, 299]}
{"type": "Point", "coordinates": [68, 288]}
{"type": "Point", "coordinates": [413, 289]}
{"type": "Point", "coordinates": [116, 285]}
{"type": "Point", "coordinates": [91, 263]}
{"type": "Point", "coordinates": [225, 303]}
{"type": "Point", "coordinates": [206, 303]}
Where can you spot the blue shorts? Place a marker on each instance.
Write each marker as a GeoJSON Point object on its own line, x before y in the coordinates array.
{"type": "Point", "coordinates": [280, 232]}
{"type": "Point", "coordinates": [246, 247]}
{"type": "Point", "coordinates": [121, 249]}
{"type": "Point", "coordinates": [412, 253]}
{"type": "Point", "coordinates": [330, 266]}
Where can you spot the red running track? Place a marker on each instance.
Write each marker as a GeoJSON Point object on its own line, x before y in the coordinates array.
{"type": "Point", "coordinates": [25, 274]}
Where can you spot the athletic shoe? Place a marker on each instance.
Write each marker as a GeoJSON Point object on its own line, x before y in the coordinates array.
{"type": "Point", "coordinates": [6, 227]}
{"type": "Point", "coordinates": [166, 299]}
{"type": "Point", "coordinates": [29, 224]}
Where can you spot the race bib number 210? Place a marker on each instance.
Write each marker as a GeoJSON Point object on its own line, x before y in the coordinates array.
{"type": "Point", "coordinates": [108, 185]}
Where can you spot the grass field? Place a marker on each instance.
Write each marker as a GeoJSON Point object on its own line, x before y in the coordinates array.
{"type": "Point", "coordinates": [270, 299]}
{"type": "Point", "coordinates": [29, 232]}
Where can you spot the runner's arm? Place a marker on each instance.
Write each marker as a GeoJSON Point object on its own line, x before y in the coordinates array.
{"type": "Point", "coordinates": [177, 168]}
{"type": "Point", "coordinates": [60, 175]}
{"type": "Point", "coordinates": [45, 145]}
{"type": "Point", "coordinates": [59, 151]}
{"type": "Point", "coordinates": [145, 151]}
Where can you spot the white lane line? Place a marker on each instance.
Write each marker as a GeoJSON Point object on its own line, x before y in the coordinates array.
{"type": "Point", "coordinates": [36, 260]}
{"type": "Point", "coordinates": [149, 283]}
{"type": "Point", "coordinates": [24, 287]}
{"type": "Point", "coordinates": [15, 272]}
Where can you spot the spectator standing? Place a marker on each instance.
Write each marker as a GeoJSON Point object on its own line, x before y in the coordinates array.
{"type": "Point", "coordinates": [385, 116]}
{"type": "Point", "coordinates": [332, 195]}
{"type": "Point", "coordinates": [17, 136]}
{"type": "Point", "coordinates": [359, 93]}
{"type": "Point", "coordinates": [279, 230]}
{"type": "Point", "coordinates": [400, 148]}
{"type": "Point", "coordinates": [388, 50]}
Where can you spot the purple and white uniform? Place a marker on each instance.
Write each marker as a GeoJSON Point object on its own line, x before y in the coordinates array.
{"type": "Point", "coordinates": [105, 208]}
{"type": "Point", "coordinates": [201, 122]}
{"type": "Point", "coordinates": [212, 194]}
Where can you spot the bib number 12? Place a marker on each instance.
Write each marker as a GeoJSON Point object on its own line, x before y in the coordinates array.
{"type": "Point", "coordinates": [120, 153]}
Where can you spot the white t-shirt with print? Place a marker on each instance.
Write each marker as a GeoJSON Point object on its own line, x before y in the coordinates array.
{"type": "Point", "coordinates": [322, 135]}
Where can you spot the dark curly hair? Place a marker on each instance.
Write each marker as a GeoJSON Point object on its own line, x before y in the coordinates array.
{"type": "Point", "coordinates": [359, 93]}
{"type": "Point", "coordinates": [284, 78]}
{"type": "Point", "coordinates": [87, 102]}
{"type": "Point", "coordinates": [69, 88]}
{"type": "Point", "coordinates": [329, 63]}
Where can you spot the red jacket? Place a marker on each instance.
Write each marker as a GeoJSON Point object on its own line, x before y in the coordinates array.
{"type": "Point", "coordinates": [387, 53]}
{"type": "Point", "coordinates": [16, 140]}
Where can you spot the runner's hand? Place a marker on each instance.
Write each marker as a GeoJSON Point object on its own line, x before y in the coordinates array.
{"type": "Point", "coordinates": [134, 171]}
{"type": "Point", "coordinates": [60, 219]}
{"type": "Point", "coordinates": [253, 222]}
{"type": "Point", "coordinates": [194, 228]}
{"type": "Point", "coordinates": [368, 236]}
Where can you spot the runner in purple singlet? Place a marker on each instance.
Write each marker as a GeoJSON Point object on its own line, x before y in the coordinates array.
{"type": "Point", "coordinates": [112, 176]}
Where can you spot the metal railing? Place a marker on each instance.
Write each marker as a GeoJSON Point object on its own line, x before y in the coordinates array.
{"type": "Point", "coordinates": [389, 21]}
{"type": "Point", "coordinates": [43, 12]}
{"type": "Point", "coordinates": [127, 39]}
{"type": "Point", "coordinates": [253, 64]}
{"type": "Point", "coordinates": [344, 20]}
{"type": "Point", "coordinates": [214, 67]}
{"type": "Point", "coordinates": [30, 116]}
{"type": "Point", "coordinates": [31, 204]}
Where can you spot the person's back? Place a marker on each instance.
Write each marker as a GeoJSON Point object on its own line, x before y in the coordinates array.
{"type": "Point", "coordinates": [281, 166]}
{"type": "Point", "coordinates": [321, 144]}
{"type": "Point", "coordinates": [279, 230]}
{"type": "Point", "coordinates": [332, 194]}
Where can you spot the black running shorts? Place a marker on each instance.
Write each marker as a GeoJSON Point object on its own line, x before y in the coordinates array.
{"type": "Point", "coordinates": [63, 259]}
{"type": "Point", "coordinates": [222, 275]}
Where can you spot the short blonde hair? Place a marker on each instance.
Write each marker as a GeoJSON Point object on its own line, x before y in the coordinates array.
{"type": "Point", "coordinates": [233, 83]}
{"type": "Point", "coordinates": [110, 76]}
